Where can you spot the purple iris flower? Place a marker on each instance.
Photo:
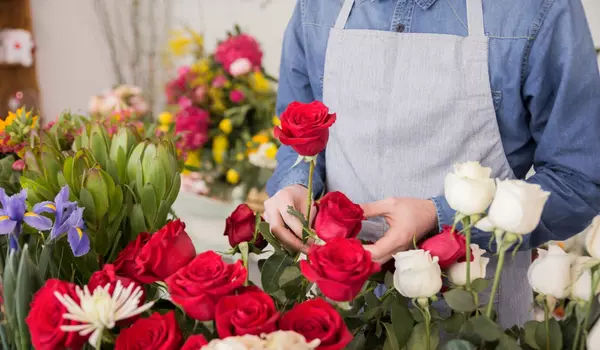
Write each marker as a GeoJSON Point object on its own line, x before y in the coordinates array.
{"type": "Point", "coordinates": [14, 213]}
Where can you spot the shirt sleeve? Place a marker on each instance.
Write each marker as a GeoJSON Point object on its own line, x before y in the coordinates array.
{"type": "Point", "coordinates": [294, 85]}
{"type": "Point", "coordinates": [561, 90]}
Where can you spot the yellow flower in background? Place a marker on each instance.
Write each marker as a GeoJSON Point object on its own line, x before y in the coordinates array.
{"type": "Point", "coordinates": [239, 157]}
{"type": "Point", "coordinates": [201, 67]}
{"type": "Point", "coordinates": [165, 118]}
{"type": "Point", "coordinates": [220, 146]}
{"type": "Point", "coordinates": [192, 160]}
{"type": "Point", "coordinates": [179, 44]}
{"type": "Point", "coordinates": [233, 177]}
{"type": "Point", "coordinates": [259, 83]}
{"type": "Point", "coordinates": [249, 144]}
{"type": "Point", "coordinates": [8, 121]}
{"type": "Point", "coordinates": [276, 121]}
{"type": "Point", "coordinates": [271, 152]}
{"type": "Point", "coordinates": [163, 128]}
{"type": "Point", "coordinates": [260, 139]}
{"type": "Point", "coordinates": [226, 126]}
{"type": "Point", "coordinates": [216, 95]}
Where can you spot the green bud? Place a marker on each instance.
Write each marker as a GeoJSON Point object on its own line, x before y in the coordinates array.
{"type": "Point", "coordinates": [134, 163]}
{"type": "Point", "coordinates": [98, 183]}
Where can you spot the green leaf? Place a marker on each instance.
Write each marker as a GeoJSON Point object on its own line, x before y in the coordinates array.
{"type": "Point", "coordinates": [116, 203]}
{"type": "Point", "coordinates": [162, 214]}
{"type": "Point", "coordinates": [453, 323]}
{"type": "Point", "coordinates": [292, 211]}
{"type": "Point", "coordinates": [529, 330]}
{"type": "Point", "coordinates": [289, 274]}
{"type": "Point", "coordinates": [508, 343]}
{"type": "Point", "coordinates": [549, 339]}
{"type": "Point", "coordinates": [391, 343]}
{"type": "Point", "coordinates": [265, 231]}
{"type": "Point", "coordinates": [358, 343]}
{"type": "Point", "coordinates": [388, 280]}
{"type": "Point", "coordinates": [87, 201]}
{"type": "Point", "coordinates": [487, 329]}
{"type": "Point", "coordinates": [479, 285]}
{"type": "Point", "coordinates": [28, 282]}
{"type": "Point", "coordinates": [460, 300]}
{"type": "Point", "coordinates": [416, 314]}
{"type": "Point", "coordinates": [372, 300]}
{"type": "Point", "coordinates": [45, 256]}
{"type": "Point", "coordinates": [418, 338]}
{"type": "Point", "coordinates": [402, 322]}
{"type": "Point", "coordinates": [457, 344]}
{"type": "Point", "coordinates": [10, 283]}
{"type": "Point", "coordinates": [138, 223]}
{"type": "Point", "coordinates": [148, 202]}
{"type": "Point", "coordinates": [273, 269]}
{"type": "Point", "coordinates": [174, 190]}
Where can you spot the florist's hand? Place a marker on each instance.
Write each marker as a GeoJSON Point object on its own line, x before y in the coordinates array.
{"type": "Point", "coordinates": [407, 217]}
{"type": "Point", "coordinates": [276, 214]}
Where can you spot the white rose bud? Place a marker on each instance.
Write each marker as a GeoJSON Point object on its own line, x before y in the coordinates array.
{"type": "Point", "coordinates": [581, 279]}
{"type": "Point", "coordinates": [592, 238]}
{"type": "Point", "coordinates": [457, 273]}
{"type": "Point", "coordinates": [469, 189]}
{"type": "Point", "coordinates": [243, 342]}
{"type": "Point", "coordinates": [288, 340]}
{"type": "Point", "coordinates": [239, 67]}
{"type": "Point", "coordinates": [516, 208]}
{"type": "Point", "coordinates": [550, 273]}
{"type": "Point", "coordinates": [417, 274]}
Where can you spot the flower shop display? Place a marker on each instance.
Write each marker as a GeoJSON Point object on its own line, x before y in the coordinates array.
{"type": "Point", "coordinates": [221, 111]}
{"type": "Point", "coordinates": [123, 102]}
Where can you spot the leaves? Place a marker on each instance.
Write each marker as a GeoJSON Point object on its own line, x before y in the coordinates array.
{"type": "Point", "coordinates": [550, 338]}
{"type": "Point", "coordinates": [265, 231]}
{"type": "Point", "coordinates": [457, 344]}
{"type": "Point", "coordinates": [273, 269]}
{"type": "Point", "coordinates": [460, 300]}
{"type": "Point", "coordinates": [391, 342]}
{"type": "Point", "coordinates": [28, 282]}
{"type": "Point", "coordinates": [486, 329]}
{"type": "Point", "coordinates": [418, 338]}
{"type": "Point", "coordinates": [289, 274]}
{"type": "Point", "coordinates": [402, 322]}
{"type": "Point", "coordinates": [479, 285]}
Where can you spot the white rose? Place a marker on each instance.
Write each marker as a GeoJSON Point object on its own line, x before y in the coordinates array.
{"type": "Point", "coordinates": [457, 273]}
{"type": "Point", "coordinates": [239, 67]}
{"type": "Point", "coordinates": [110, 104]}
{"type": "Point", "coordinates": [592, 238]}
{"type": "Point", "coordinates": [469, 189]}
{"type": "Point", "coordinates": [550, 273]}
{"type": "Point", "coordinates": [245, 342]}
{"type": "Point", "coordinates": [581, 283]}
{"type": "Point", "coordinates": [288, 340]}
{"type": "Point", "coordinates": [417, 274]}
{"type": "Point", "coordinates": [516, 208]}
{"type": "Point", "coordinates": [261, 158]}
{"type": "Point", "coordinates": [593, 338]}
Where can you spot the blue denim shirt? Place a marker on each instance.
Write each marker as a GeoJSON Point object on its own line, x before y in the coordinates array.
{"type": "Point", "coordinates": [544, 83]}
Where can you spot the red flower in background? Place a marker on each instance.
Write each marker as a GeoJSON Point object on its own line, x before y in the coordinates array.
{"type": "Point", "coordinates": [194, 342]}
{"type": "Point", "coordinates": [236, 47]}
{"type": "Point", "coordinates": [157, 332]}
{"type": "Point", "coordinates": [448, 246]}
{"type": "Point", "coordinates": [178, 86]}
{"type": "Point", "coordinates": [191, 124]}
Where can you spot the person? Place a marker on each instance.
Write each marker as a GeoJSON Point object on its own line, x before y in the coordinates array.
{"type": "Point", "coordinates": [419, 85]}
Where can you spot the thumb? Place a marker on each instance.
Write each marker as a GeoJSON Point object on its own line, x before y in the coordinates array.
{"type": "Point", "coordinates": [373, 209]}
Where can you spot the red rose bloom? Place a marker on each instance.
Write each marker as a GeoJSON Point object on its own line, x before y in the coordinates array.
{"type": "Point", "coordinates": [250, 312]}
{"type": "Point", "coordinates": [46, 316]}
{"type": "Point", "coordinates": [168, 250]}
{"type": "Point", "coordinates": [305, 127]}
{"type": "Point", "coordinates": [240, 226]}
{"type": "Point", "coordinates": [236, 47]}
{"type": "Point", "coordinates": [105, 276]}
{"type": "Point", "coordinates": [338, 216]}
{"type": "Point", "coordinates": [125, 262]}
{"type": "Point", "coordinates": [448, 246]}
{"type": "Point", "coordinates": [340, 268]}
{"type": "Point", "coordinates": [316, 319]}
{"type": "Point", "coordinates": [200, 285]}
{"type": "Point", "coordinates": [195, 342]}
{"type": "Point", "coordinates": [157, 332]}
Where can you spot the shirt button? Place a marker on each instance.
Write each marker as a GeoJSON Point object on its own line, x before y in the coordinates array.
{"type": "Point", "coordinates": [400, 28]}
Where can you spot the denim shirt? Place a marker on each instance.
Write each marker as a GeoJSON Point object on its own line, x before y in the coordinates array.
{"type": "Point", "coordinates": [544, 83]}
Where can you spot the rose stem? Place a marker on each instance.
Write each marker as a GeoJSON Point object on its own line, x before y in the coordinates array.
{"type": "Point", "coordinates": [310, 197]}
{"type": "Point", "coordinates": [490, 305]}
{"type": "Point", "coordinates": [467, 228]}
{"type": "Point", "coordinates": [577, 335]}
{"type": "Point", "coordinates": [547, 323]}
{"type": "Point", "coordinates": [427, 328]}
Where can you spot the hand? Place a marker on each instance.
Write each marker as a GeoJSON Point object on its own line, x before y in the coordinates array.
{"type": "Point", "coordinates": [276, 214]}
{"type": "Point", "coordinates": [407, 217]}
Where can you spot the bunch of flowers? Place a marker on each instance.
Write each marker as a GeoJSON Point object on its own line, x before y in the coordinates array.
{"type": "Point", "coordinates": [124, 102]}
{"type": "Point", "coordinates": [221, 111]}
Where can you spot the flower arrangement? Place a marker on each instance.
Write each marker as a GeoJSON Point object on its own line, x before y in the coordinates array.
{"type": "Point", "coordinates": [124, 102]}
{"type": "Point", "coordinates": [221, 112]}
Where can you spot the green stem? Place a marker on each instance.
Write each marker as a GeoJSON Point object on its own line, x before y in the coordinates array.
{"type": "Point", "coordinates": [244, 252]}
{"type": "Point", "coordinates": [467, 229]}
{"type": "Point", "coordinates": [577, 335]}
{"type": "Point", "coordinates": [547, 324]}
{"type": "Point", "coordinates": [311, 171]}
{"type": "Point", "coordinates": [490, 305]}
{"type": "Point", "coordinates": [427, 328]}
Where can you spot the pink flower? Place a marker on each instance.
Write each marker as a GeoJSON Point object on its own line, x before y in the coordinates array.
{"type": "Point", "coordinates": [183, 71]}
{"type": "Point", "coordinates": [219, 81]}
{"type": "Point", "coordinates": [184, 102]}
{"type": "Point", "coordinates": [236, 96]}
{"type": "Point", "coordinates": [191, 124]}
{"type": "Point", "coordinates": [239, 46]}
{"type": "Point", "coordinates": [199, 93]}
{"type": "Point", "coordinates": [239, 67]}
{"type": "Point", "coordinates": [18, 165]}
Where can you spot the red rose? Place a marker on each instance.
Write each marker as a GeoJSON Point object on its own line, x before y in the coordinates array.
{"type": "Point", "coordinates": [338, 216]}
{"type": "Point", "coordinates": [200, 285]}
{"type": "Point", "coordinates": [236, 47]}
{"type": "Point", "coordinates": [250, 312]}
{"type": "Point", "coordinates": [305, 127]}
{"type": "Point", "coordinates": [195, 342]}
{"type": "Point", "coordinates": [448, 246]}
{"type": "Point", "coordinates": [240, 226]}
{"type": "Point", "coordinates": [125, 262]}
{"type": "Point", "coordinates": [157, 332]}
{"type": "Point", "coordinates": [340, 268]}
{"type": "Point", "coordinates": [46, 316]}
{"type": "Point", "coordinates": [316, 319]}
{"type": "Point", "coordinates": [168, 250]}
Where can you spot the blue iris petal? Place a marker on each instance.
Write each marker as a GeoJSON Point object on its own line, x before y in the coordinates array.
{"type": "Point", "coordinates": [7, 225]}
{"type": "Point", "coordinates": [40, 223]}
{"type": "Point", "coordinates": [79, 241]}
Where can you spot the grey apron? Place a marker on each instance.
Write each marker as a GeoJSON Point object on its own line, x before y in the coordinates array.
{"type": "Point", "coordinates": [409, 106]}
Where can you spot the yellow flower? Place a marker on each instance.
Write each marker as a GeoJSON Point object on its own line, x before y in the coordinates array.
{"type": "Point", "coordinates": [218, 106]}
{"type": "Point", "coordinates": [180, 44]}
{"type": "Point", "coordinates": [271, 152]}
{"type": "Point", "coordinates": [239, 157]}
{"type": "Point", "coordinates": [192, 160]}
{"type": "Point", "coordinates": [276, 121]}
{"type": "Point", "coordinates": [165, 118]}
{"type": "Point", "coordinates": [220, 146]}
{"type": "Point", "coordinates": [260, 138]}
{"type": "Point", "coordinates": [259, 83]}
{"type": "Point", "coordinates": [201, 67]}
{"type": "Point", "coordinates": [225, 126]}
{"type": "Point", "coordinates": [8, 121]}
{"type": "Point", "coordinates": [116, 117]}
{"type": "Point", "coordinates": [249, 144]}
{"type": "Point", "coordinates": [163, 128]}
{"type": "Point", "coordinates": [233, 177]}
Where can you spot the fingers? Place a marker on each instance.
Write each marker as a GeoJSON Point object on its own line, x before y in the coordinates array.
{"type": "Point", "coordinates": [379, 208]}
{"type": "Point", "coordinates": [386, 246]}
{"type": "Point", "coordinates": [284, 235]}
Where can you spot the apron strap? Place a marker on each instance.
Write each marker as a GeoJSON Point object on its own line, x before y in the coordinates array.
{"type": "Point", "coordinates": [475, 17]}
{"type": "Point", "coordinates": [340, 23]}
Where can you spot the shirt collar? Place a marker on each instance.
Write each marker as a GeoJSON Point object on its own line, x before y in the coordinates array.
{"type": "Point", "coordinates": [425, 4]}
